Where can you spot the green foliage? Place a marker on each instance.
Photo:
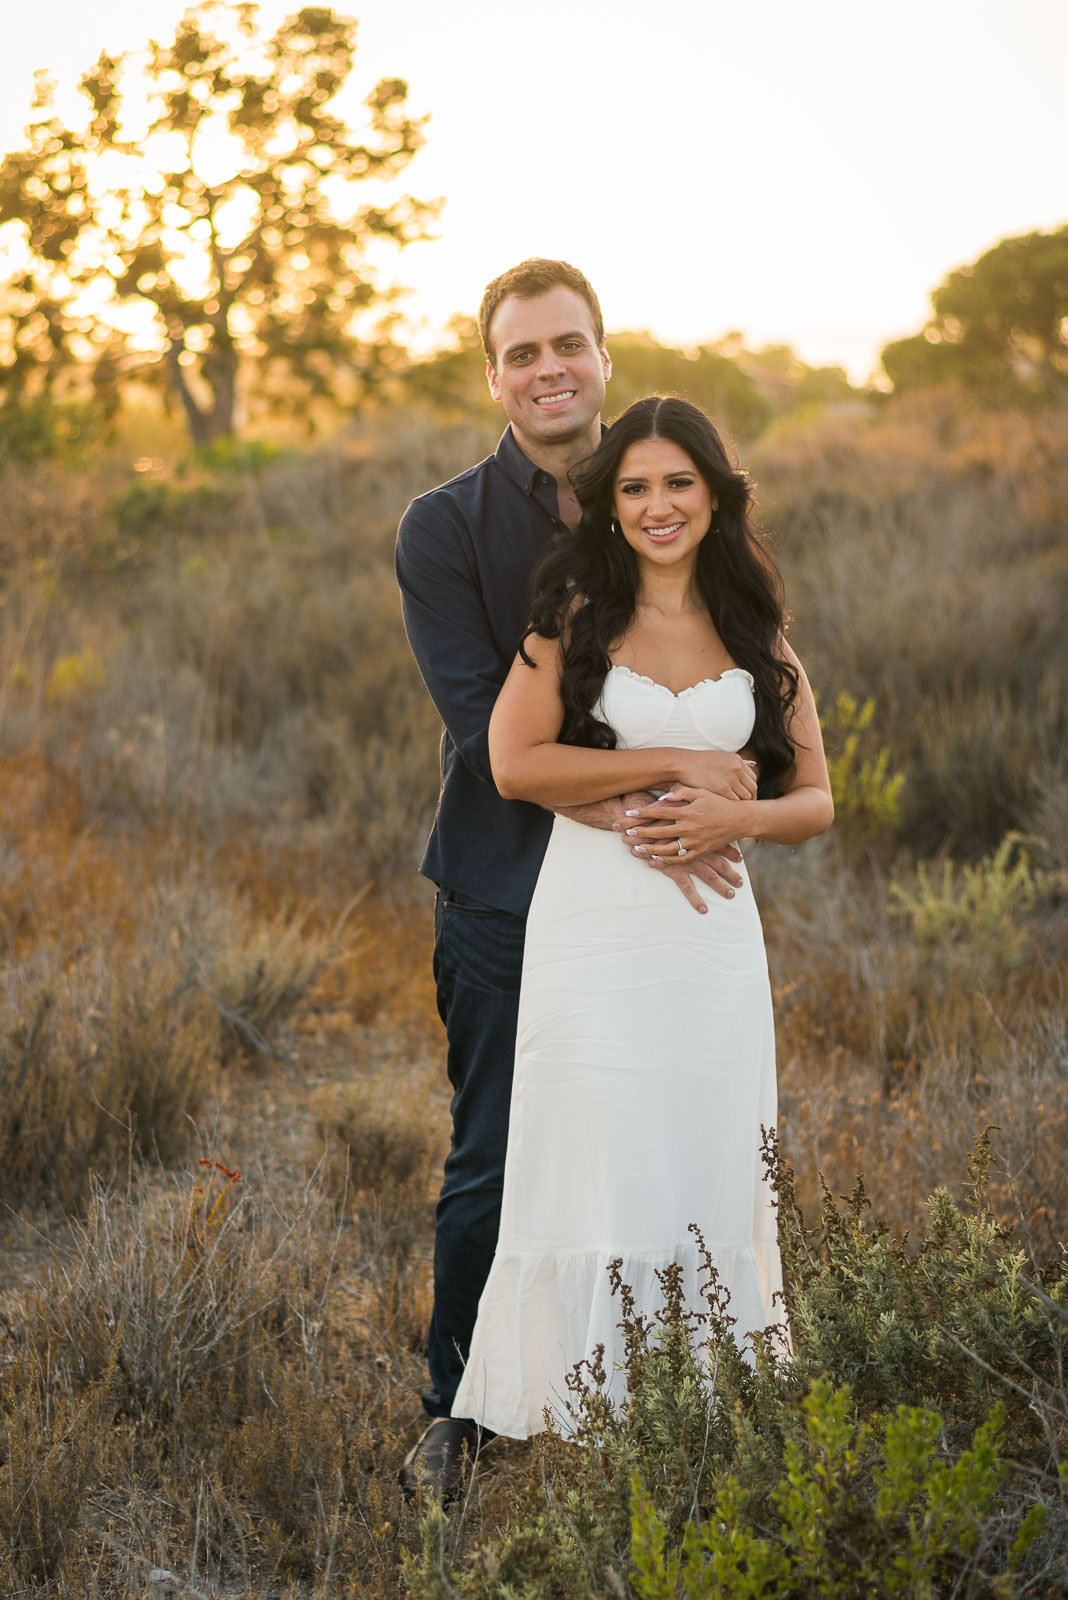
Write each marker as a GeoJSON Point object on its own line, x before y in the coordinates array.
{"type": "Point", "coordinates": [999, 325]}
{"type": "Point", "coordinates": [911, 1446]}
{"type": "Point", "coordinates": [147, 508]}
{"type": "Point", "coordinates": [274, 226]}
{"type": "Point", "coordinates": [986, 901]}
{"type": "Point", "coordinates": [863, 786]}
{"type": "Point", "coordinates": [41, 427]}
{"type": "Point", "coordinates": [859, 1508]}
{"type": "Point", "coordinates": [710, 377]}
{"type": "Point", "coordinates": [228, 454]}
{"type": "Point", "coordinates": [742, 389]}
{"type": "Point", "coordinates": [73, 674]}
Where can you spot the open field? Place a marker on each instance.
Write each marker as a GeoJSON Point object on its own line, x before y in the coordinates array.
{"type": "Point", "coordinates": [222, 1109]}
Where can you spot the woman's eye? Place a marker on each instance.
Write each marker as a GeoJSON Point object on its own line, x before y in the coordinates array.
{"type": "Point", "coordinates": [681, 483]}
{"type": "Point", "coordinates": [633, 488]}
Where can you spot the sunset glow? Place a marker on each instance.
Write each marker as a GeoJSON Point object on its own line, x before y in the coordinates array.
{"type": "Point", "coordinates": [806, 175]}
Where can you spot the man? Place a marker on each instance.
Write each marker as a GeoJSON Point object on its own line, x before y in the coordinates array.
{"type": "Point", "coordinates": [465, 554]}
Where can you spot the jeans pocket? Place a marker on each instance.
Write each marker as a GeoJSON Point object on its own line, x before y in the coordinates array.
{"type": "Point", "coordinates": [479, 947]}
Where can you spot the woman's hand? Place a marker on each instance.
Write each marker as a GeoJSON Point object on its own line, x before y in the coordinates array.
{"type": "Point", "coordinates": [703, 822]}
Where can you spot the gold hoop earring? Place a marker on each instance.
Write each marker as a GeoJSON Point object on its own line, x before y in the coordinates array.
{"type": "Point", "coordinates": [613, 525]}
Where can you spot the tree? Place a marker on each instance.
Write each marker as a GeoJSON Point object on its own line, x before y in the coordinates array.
{"type": "Point", "coordinates": [1000, 325]}
{"type": "Point", "coordinates": [742, 389]}
{"type": "Point", "coordinates": [217, 191]}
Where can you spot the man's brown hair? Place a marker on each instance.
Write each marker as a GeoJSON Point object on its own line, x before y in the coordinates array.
{"type": "Point", "coordinates": [531, 278]}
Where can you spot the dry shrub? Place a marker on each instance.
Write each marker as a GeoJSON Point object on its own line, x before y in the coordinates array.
{"type": "Point", "coordinates": [286, 1467]}
{"type": "Point", "coordinates": [50, 1450]}
{"type": "Point", "coordinates": [895, 1053]}
{"type": "Point", "coordinates": [926, 565]}
{"type": "Point", "coordinates": [186, 1294]}
{"type": "Point", "coordinates": [259, 978]}
{"type": "Point", "coordinates": [99, 1060]}
{"type": "Point", "coordinates": [381, 1157]}
{"type": "Point", "coordinates": [51, 512]}
{"type": "Point", "coordinates": [375, 1141]}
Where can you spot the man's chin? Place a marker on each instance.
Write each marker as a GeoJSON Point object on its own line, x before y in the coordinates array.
{"type": "Point", "coordinates": [560, 428]}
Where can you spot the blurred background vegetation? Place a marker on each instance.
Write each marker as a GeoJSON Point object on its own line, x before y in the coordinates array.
{"type": "Point", "coordinates": [221, 1101]}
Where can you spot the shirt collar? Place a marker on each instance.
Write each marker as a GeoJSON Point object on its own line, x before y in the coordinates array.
{"type": "Point", "coordinates": [519, 467]}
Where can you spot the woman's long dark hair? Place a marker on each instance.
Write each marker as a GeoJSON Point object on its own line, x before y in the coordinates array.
{"type": "Point", "coordinates": [736, 574]}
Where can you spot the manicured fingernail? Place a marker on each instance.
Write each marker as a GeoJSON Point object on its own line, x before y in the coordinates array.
{"type": "Point", "coordinates": [643, 850]}
{"type": "Point", "coordinates": [631, 831]}
{"type": "Point", "coordinates": [633, 813]}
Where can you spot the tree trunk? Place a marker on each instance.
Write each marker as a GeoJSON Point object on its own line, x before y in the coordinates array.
{"type": "Point", "coordinates": [216, 422]}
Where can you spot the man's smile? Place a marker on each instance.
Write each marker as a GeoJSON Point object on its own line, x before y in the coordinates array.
{"type": "Point", "coordinates": [554, 399]}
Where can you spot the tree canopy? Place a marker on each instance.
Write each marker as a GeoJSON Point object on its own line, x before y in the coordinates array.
{"type": "Point", "coordinates": [1000, 325]}
{"type": "Point", "coordinates": [743, 389]}
{"type": "Point", "coordinates": [214, 192]}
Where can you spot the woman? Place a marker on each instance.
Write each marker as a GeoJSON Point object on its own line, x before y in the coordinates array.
{"type": "Point", "coordinates": [645, 1051]}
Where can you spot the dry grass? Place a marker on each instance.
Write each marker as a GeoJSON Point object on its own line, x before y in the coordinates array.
{"type": "Point", "coordinates": [218, 766]}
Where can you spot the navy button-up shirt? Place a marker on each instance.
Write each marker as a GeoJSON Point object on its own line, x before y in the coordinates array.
{"type": "Point", "coordinates": [465, 554]}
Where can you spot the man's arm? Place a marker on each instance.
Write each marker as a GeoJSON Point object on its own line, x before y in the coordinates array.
{"type": "Point", "coordinates": [447, 626]}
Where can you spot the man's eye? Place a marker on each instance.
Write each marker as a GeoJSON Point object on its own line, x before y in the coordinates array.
{"type": "Point", "coordinates": [571, 345]}
{"type": "Point", "coordinates": [519, 357]}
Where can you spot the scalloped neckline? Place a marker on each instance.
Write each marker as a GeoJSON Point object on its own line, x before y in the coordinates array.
{"type": "Point", "coordinates": [729, 672]}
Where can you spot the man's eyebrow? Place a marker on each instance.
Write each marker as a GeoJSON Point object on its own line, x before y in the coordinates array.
{"type": "Point", "coordinates": [531, 344]}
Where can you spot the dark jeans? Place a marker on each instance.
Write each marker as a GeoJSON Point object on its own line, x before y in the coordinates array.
{"type": "Point", "coordinates": [478, 960]}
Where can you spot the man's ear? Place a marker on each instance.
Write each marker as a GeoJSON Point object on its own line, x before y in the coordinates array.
{"type": "Point", "coordinates": [492, 380]}
{"type": "Point", "coordinates": [606, 361]}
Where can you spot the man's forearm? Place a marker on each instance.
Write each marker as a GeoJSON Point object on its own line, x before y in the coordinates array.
{"type": "Point", "coordinates": [603, 813]}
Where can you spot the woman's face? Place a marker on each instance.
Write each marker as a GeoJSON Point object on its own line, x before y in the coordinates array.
{"type": "Point", "coordinates": [663, 504]}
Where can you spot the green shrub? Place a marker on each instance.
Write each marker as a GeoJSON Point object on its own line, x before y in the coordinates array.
{"type": "Point", "coordinates": [861, 1508]}
{"type": "Point", "coordinates": [986, 902]}
{"type": "Point", "coordinates": [913, 1444]}
{"type": "Point", "coordinates": [865, 789]}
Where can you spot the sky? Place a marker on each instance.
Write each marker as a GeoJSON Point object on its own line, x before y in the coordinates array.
{"type": "Point", "coordinates": [804, 171]}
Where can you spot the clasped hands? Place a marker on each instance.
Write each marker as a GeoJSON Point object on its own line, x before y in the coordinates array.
{"type": "Point", "coordinates": [696, 819]}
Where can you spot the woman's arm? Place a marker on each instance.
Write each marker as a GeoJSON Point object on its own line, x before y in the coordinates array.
{"type": "Point", "coordinates": [529, 763]}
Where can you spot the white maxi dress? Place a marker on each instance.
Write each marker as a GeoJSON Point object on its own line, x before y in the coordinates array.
{"type": "Point", "coordinates": [645, 1066]}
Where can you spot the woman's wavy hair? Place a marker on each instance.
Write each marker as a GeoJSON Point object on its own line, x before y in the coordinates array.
{"type": "Point", "coordinates": [737, 576]}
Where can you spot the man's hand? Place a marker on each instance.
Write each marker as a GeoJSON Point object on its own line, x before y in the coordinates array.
{"type": "Point", "coordinates": [715, 869]}
{"type": "Point", "coordinates": [605, 814]}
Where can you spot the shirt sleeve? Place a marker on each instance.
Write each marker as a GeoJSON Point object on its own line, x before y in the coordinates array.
{"type": "Point", "coordinates": [448, 626]}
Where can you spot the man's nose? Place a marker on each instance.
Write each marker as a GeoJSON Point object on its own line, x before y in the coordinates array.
{"type": "Point", "coordinates": [549, 362]}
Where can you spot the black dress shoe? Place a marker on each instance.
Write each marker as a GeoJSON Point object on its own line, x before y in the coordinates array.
{"type": "Point", "coordinates": [436, 1460]}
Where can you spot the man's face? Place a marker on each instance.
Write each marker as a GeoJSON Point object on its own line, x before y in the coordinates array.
{"type": "Point", "coordinates": [548, 371]}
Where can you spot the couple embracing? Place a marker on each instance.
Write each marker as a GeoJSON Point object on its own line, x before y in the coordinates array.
{"type": "Point", "coordinates": [602, 631]}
